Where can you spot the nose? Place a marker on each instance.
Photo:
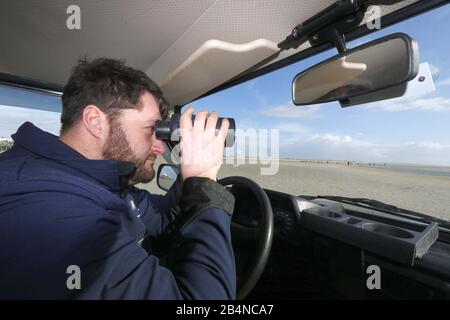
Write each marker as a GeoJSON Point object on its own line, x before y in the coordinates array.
{"type": "Point", "coordinates": [158, 146]}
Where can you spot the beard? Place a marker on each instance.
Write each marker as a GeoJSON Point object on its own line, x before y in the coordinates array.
{"type": "Point", "coordinates": [118, 148]}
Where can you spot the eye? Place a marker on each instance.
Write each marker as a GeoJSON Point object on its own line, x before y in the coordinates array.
{"type": "Point", "coordinates": [150, 129]}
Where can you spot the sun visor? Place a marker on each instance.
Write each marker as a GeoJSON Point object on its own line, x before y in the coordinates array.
{"type": "Point", "coordinates": [211, 65]}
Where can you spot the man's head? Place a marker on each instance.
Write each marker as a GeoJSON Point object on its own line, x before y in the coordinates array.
{"type": "Point", "coordinates": [109, 112]}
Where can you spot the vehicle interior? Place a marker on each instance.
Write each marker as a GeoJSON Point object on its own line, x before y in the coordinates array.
{"type": "Point", "coordinates": [287, 246]}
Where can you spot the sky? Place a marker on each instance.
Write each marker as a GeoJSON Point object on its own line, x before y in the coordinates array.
{"type": "Point", "coordinates": [411, 129]}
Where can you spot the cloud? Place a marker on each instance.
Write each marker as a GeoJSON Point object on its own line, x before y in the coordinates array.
{"type": "Point", "coordinates": [441, 83]}
{"type": "Point", "coordinates": [302, 143]}
{"type": "Point", "coordinates": [289, 110]}
{"type": "Point", "coordinates": [338, 147]}
{"type": "Point", "coordinates": [426, 104]}
{"type": "Point", "coordinates": [298, 141]}
{"type": "Point", "coordinates": [12, 117]}
{"type": "Point", "coordinates": [247, 124]}
{"type": "Point", "coordinates": [293, 128]}
{"type": "Point", "coordinates": [251, 86]}
{"type": "Point", "coordinates": [426, 145]}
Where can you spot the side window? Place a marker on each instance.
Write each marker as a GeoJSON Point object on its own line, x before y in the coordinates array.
{"type": "Point", "coordinates": [18, 105]}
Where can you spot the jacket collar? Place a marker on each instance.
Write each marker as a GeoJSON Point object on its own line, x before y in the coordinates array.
{"type": "Point", "coordinates": [113, 174]}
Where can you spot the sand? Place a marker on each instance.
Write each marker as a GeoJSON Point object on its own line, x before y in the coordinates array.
{"type": "Point", "coordinates": [421, 193]}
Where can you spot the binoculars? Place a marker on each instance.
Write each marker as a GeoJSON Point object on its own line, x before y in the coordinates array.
{"type": "Point", "coordinates": [167, 130]}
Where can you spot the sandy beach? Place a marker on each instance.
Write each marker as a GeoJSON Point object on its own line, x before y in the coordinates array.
{"type": "Point", "coordinates": [427, 194]}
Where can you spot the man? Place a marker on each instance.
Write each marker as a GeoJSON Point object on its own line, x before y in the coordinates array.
{"type": "Point", "coordinates": [71, 221]}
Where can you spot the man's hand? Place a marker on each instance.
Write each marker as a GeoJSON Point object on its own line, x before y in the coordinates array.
{"type": "Point", "coordinates": [201, 149]}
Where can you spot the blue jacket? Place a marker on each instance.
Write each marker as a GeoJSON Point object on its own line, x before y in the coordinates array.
{"type": "Point", "coordinates": [59, 209]}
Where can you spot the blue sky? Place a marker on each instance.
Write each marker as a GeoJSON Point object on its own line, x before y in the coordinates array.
{"type": "Point", "coordinates": [412, 129]}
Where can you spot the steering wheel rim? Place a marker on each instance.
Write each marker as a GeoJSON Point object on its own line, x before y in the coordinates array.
{"type": "Point", "coordinates": [264, 231]}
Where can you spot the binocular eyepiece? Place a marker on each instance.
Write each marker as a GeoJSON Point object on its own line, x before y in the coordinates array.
{"type": "Point", "coordinates": [167, 130]}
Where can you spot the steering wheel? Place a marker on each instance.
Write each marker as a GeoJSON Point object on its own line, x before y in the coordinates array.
{"type": "Point", "coordinates": [258, 239]}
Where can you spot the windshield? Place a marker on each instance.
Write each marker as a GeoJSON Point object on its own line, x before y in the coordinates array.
{"type": "Point", "coordinates": [394, 151]}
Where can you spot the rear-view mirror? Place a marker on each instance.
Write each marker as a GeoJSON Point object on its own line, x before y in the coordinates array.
{"type": "Point", "coordinates": [384, 63]}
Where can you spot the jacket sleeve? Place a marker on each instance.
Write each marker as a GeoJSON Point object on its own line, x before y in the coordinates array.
{"type": "Point", "coordinates": [200, 265]}
{"type": "Point", "coordinates": [76, 231]}
{"type": "Point", "coordinates": [158, 211]}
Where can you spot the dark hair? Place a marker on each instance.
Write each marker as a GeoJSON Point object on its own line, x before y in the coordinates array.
{"type": "Point", "coordinates": [110, 85]}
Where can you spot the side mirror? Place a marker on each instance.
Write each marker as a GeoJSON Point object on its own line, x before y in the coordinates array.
{"type": "Point", "coordinates": [167, 174]}
{"type": "Point", "coordinates": [378, 65]}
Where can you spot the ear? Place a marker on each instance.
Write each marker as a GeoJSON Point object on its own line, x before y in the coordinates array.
{"type": "Point", "coordinates": [95, 121]}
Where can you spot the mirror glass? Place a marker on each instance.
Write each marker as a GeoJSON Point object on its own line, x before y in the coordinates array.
{"type": "Point", "coordinates": [377, 65]}
{"type": "Point", "coordinates": [167, 174]}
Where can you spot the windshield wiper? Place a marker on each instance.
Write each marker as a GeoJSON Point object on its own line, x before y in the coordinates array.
{"type": "Point", "coordinates": [388, 208]}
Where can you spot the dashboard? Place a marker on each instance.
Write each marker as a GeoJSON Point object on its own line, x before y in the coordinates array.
{"type": "Point", "coordinates": [320, 246]}
{"type": "Point", "coordinates": [407, 243]}
{"type": "Point", "coordinates": [285, 208]}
